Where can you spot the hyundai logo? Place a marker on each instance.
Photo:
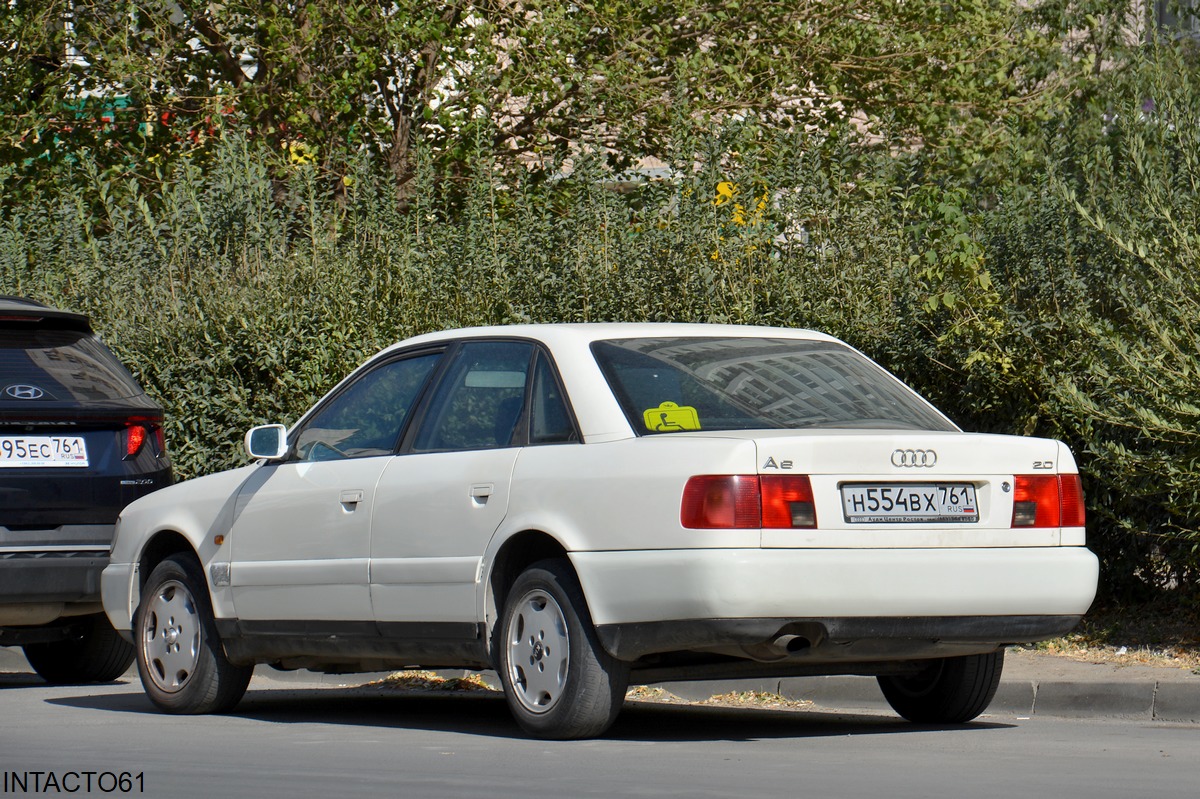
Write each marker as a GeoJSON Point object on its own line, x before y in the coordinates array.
{"type": "Point", "coordinates": [22, 392]}
{"type": "Point", "coordinates": [913, 458]}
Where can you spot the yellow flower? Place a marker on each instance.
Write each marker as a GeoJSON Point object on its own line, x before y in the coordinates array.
{"type": "Point", "coordinates": [300, 153]}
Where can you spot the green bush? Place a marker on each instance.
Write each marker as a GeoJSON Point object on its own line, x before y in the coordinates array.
{"type": "Point", "coordinates": [1061, 302]}
{"type": "Point", "coordinates": [1095, 337]}
{"type": "Point", "coordinates": [235, 308]}
{"type": "Point", "coordinates": [1133, 388]}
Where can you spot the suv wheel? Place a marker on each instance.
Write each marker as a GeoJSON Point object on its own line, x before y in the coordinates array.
{"type": "Point", "coordinates": [101, 655]}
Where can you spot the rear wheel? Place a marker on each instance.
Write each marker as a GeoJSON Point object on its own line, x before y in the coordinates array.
{"type": "Point", "coordinates": [180, 659]}
{"type": "Point", "coordinates": [100, 655]}
{"type": "Point", "coordinates": [947, 691]}
{"type": "Point", "coordinates": [558, 681]}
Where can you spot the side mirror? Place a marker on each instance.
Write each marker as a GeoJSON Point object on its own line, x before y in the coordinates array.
{"type": "Point", "coordinates": [267, 441]}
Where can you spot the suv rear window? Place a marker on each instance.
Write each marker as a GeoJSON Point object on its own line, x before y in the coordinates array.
{"type": "Point", "coordinates": [47, 365]}
{"type": "Point", "coordinates": [678, 384]}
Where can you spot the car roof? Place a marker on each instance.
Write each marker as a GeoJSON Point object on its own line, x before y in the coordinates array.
{"type": "Point", "coordinates": [583, 333]}
{"type": "Point", "coordinates": [22, 308]}
{"type": "Point", "coordinates": [605, 421]}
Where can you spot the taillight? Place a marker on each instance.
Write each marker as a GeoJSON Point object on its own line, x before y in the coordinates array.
{"type": "Point", "coordinates": [722, 502]}
{"type": "Point", "coordinates": [787, 501]}
{"type": "Point", "coordinates": [135, 436]}
{"type": "Point", "coordinates": [1071, 491]}
{"type": "Point", "coordinates": [136, 433]}
{"type": "Point", "coordinates": [1047, 500]}
{"type": "Point", "coordinates": [748, 501]}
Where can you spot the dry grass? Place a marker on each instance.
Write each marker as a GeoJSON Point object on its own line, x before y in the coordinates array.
{"type": "Point", "coordinates": [759, 699]}
{"type": "Point", "coordinates": [756, 699]}
{"type": "Point", "coordinates": [431, 681]}
{"type": "Point", "coordinates": [1133, 637]}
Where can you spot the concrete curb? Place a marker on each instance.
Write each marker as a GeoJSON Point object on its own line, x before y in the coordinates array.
{"type": "Point", "coordinates": [1140, 700]}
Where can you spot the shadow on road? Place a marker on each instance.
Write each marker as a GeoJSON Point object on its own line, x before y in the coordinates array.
{"type": "Point", "coordinates": [14, 680]}
{"type": "Point", "coordinates": [486, 714]}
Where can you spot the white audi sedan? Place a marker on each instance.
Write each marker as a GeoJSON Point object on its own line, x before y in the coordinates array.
{"type": "Point", "coordinates": [582, 507]}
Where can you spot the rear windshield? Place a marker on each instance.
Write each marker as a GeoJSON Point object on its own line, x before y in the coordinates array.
{"type": "Point", "coordinates": [39, 365]}
{"type": "Point", "coordinates": [670, 385]}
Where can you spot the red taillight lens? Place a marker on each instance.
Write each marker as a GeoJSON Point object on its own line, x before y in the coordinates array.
{"type": "Point", "coordinates": [1071, 490]}
{"type": "Point", "coordinates": [747, 501]}
{"type": "Point", "coordinates": [1047, 500]}
{"type": "Point", "coordinates": [787, 502]}
{"type": "Point", "coordinates": [137, 431]}
{"type": "Point", "coordinates": [135, 436]}
{"type": "Point", "coordinates": [721, 502]}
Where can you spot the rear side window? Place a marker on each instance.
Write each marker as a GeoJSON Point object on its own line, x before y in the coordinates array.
{"type": "Point", "coordinates": [41, 365]}
{"type": "Point", "coordinates": [670, 385]}
{"type": "Point", "coordinates": [480, 399]}
{"type": "Point", "coordinates": [549, 420]}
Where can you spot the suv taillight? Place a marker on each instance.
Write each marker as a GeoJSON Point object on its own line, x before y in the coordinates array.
{"type": "Point", "coordinates": [748, 501]}
{"type": "Point", "coordinates": [1047, 500]}
{"type": "Point", "coordinates": [136, 433]}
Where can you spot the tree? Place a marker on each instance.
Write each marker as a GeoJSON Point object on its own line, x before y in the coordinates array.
{"type": "Point", "coordinates": [525, 80]}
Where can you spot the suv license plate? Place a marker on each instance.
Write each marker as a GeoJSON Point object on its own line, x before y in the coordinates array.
{"type": "Point", "coordinates": [899, 503]}
{"type": "Point", "coordinates": [27, 451]}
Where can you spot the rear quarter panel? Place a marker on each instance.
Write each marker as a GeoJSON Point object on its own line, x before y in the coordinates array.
{"type": "Point", "coordinates": [622, 495]}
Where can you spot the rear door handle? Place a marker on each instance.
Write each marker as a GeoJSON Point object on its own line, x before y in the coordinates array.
{"type": "Point", "coordinates": [481, 491]}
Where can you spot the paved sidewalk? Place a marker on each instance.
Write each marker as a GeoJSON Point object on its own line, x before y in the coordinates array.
{"type": "Point", "coordinates": [1033, 684]}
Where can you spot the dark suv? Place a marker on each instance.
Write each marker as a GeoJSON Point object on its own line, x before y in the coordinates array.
{"type": "Point", "coordinates": [79, 440]}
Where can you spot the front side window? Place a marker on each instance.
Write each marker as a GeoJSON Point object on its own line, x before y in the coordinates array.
{"type": "Point", "coordinates": [480, 400]}
{"type": "Point", "coordinates": [667, 385]}
{"type": "Point", "coordinates": [367, 417]}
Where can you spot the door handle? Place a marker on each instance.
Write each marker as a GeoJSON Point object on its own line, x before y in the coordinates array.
{"type": "Point", "coordinates": [481, 491]}
{"type": "Point", "coordinates": [350, 499]}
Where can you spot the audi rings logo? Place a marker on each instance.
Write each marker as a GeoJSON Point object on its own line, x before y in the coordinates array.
{"type": "Point", "coordinates": [914, 458]}
{"type": "Point", "coordinates": [24, 392]}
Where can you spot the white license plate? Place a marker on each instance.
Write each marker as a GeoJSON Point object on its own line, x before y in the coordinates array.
{"type": "Point", "coordinates": [875, 503]}
{"type": "Point", "coordinates": [26, 451]}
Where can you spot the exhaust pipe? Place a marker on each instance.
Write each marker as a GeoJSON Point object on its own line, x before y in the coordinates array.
{"type": "Point", "coordinates": [783, 646]}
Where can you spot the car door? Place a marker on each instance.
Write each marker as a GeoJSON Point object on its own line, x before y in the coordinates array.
{"type": "Point", "coordinates": [301, 539]}
{"type": "Point", "coordinates": [439, 504]}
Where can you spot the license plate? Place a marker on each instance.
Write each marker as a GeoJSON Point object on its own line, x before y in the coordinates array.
{"type": "Point", "coordinates": [898, 503]}
{"type": "Point", "coordinates": [27, 451]}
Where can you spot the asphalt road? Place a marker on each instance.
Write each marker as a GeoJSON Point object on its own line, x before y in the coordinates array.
{"type": "Point", "coordinates": [298, 739]}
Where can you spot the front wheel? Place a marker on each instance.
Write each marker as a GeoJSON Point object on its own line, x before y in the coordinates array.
{"type": "Point", "coordinates": [948, 690]}
{"type": "Point", "coordinates": [558, 681]}
{"type": "Point", "coordinates": [180, 659]}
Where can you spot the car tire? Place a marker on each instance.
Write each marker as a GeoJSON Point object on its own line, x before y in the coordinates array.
{"type": "Point", "coordinates": [947, 691]}
{"type": "Point", "coordinates": [558, 680]}
{"type": "Point", "coordinates": [100, 655]}
{"type": "Point", "coordinates": [179, 655]}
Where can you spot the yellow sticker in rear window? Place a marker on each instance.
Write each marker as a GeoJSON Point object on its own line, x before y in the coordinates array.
{"type": "Point", "coordinates": [671, 417]}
